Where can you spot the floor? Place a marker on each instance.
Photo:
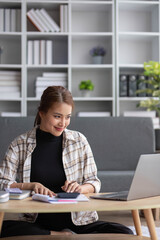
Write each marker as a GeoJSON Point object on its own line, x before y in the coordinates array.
{"type": "Point", "coordinates": [124, 217]}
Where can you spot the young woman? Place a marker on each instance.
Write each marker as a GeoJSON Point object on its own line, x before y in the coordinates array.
{"type": "Point", "coordinates": [50, 159]}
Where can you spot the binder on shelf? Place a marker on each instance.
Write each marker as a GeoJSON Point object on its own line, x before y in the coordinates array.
{"type": "Point", "coordinates": [52, 23]}
{"type": "Point", "coordinates": [141, 85]}
{"type": "Point", "coordinates": [123, 81]}
{"type": "Point", "coordinates": [132, 85]}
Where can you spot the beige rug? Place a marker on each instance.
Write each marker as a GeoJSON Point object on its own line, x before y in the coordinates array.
{"type": "Point", "coordinates": [145, 231]}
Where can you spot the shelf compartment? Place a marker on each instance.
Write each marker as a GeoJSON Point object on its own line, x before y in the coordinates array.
{"type": "Point", "coordinates": [140, 17]}
{"type": "Point", "coordinates": [81, 45]}
{"type": "Point", "coordinates": [93, 106]}
{"type": "Point", "coordinates": [101, 78]}
{"type": "Point", "coordinates": [32, 74]}
{"type": "Point", "coordinates": [129, 105]}
{"type": "Point", "coordinates": [52, 8]}
{"type": "Point", "coordinates": [59, 46]}
{"type": "Point", "coordinates": [91, 17]}
{"type": "Point", "coordinates": [11, 49]}
{"type": "Point", "coordinates": [10, 106]}
{"type": "Point", "coordinates": [138, 49]}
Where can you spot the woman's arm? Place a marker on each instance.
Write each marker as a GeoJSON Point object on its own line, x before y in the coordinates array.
{"type": "Point", "coordinates": [73, 186]}
{"type": "Point", "coordinates": [33, 186]}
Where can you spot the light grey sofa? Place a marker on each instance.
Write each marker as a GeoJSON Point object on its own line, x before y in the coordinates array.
{"type": "Point", "coordinates": [116, 142]}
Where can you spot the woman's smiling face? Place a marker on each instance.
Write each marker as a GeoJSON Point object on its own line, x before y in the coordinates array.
{"type": "Point", "coordinates": [56, 120]}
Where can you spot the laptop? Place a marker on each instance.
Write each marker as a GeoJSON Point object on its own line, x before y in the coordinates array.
{"type": "Point", "coordinates": [145, 183]}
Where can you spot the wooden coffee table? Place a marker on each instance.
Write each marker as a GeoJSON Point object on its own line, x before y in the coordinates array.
{"type": "Point", "coordinates": [30, 206]}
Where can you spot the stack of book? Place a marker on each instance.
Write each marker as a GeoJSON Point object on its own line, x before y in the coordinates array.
{"type": "Point", "coordinates": [10, 20]}
{"type": "Point", "coordinates": [151, 114]}
{"type": "Point", "coordinates": [93, 114]}
{"type": "Point", "coordinates": [42, 20]}
{"type": "Point", "coordinates": [64, 18]}
{"type": "Point", "coordinates": [40, 52]}
{"type": "Point", "coordinates": [10, 84]}
{"type": "Point", "coordinates": [50, 79]}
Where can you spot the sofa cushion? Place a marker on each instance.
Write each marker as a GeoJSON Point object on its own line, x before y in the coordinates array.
{"type": "Point", "coordinates": [117, 142]}
{"type": "Point", "coordinates": [115, 180]}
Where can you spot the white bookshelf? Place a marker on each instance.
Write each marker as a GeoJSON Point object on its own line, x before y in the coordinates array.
{"type": "Point", "coordinates": [128, 30]}
{"type": "Point", "coordinates": [90, 23]}
{"type": "Point", "coordinates": [138, 41]}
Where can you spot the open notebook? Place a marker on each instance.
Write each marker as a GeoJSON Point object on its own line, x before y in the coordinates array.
{"type": "Point", "coordinates": [145, 183]}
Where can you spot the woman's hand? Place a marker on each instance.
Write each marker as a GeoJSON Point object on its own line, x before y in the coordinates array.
{"type": "Point", "coordinates": [34, 186]}
{"type": "Point", "coordinates": [71, 186]}
{"type": "Point", "coordinates": [39, 188]}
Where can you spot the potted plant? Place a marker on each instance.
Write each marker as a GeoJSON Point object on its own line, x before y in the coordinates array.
{"type": "Point", "coordinates": [86, 86]}
{"type": "Point", "coordinates": [97, 54]}
{"type": "Point", "coordinates": [152, 71]}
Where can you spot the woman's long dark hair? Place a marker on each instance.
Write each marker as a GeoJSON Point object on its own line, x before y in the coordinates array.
{"type": "Point", "coordinates": [51, 95]}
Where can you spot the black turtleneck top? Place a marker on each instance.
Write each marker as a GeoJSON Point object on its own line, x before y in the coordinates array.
{"type": "Point", "coordinates": [46, 163]}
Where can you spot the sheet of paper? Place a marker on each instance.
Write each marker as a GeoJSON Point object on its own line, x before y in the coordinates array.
{"type": "Point", "coordinates": [54, 200]}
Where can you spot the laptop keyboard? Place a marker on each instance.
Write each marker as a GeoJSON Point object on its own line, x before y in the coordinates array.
{"type": "Point", "coordinates": [117, 195]}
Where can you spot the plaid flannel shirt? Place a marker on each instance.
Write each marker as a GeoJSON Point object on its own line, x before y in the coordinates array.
{"type": "Point", "coordinates": [77, 159]}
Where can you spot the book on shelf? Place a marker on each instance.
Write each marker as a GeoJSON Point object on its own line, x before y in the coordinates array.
{"type": "Point", "coordinates": [30, 52]}
{"type": "Point", "coordinates": [34, 20]}
{"type": "Point", "coordinates": [52, 23]}
{"type": "Point", "coordinates": [93, 114]}
{"type": "Point", "coordinates": [54, 74]}
{"type": "Point", "coordinates": [7, 20]}
{"type": "Point", "coordinates": [51, 78]}
{"type": "Point", "coordinates": [62, 18]}
{"type": "Point", "coordinates": [18, 20]}
{"type": "Point", "coordinates": [1, 19]}
{"type": "Point", "coordinates": [11, 114]}
{"type": "Point", "coordinates": [10, 73]}
{"type": "Point", "coordinates": [42, 20]}
{"type": "Point", "coordinates": [65, 18]}
{"type": "Point", "coordinates": [11, 78]}
{"type": "Point", "coordinates": [36, 52]}
{"type": "Point", "coordinates": [8, 95]}
{"type": "Point", "coordinates": [10, 83]}
{"type": "Point", "coordinates": [49, 52]}
{"type": "Point", "coordinates": [151, 114]}
{"type": "Point", "coordinates": [9, 89]}
{"type": "Point", "coordinates": [13, 20]}
{"type": "Point", "coordinates": [50, 83]}
{"type": "Point", "coordinates": [42, 52]}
